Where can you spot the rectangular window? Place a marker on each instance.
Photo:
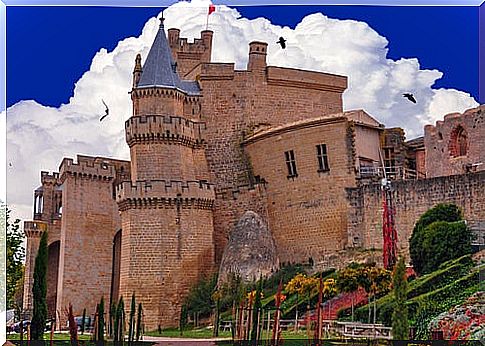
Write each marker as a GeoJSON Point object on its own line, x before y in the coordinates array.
{"type": "Point", "coordinates": [291, 164]}
{"type": "Point", "coordinates": [322, 158]}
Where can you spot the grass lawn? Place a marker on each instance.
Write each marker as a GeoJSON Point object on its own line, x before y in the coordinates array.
{"type": "Point", "coordinates": [199, 333]}
{"type": "Point", "coordinates": [57, 336]}
{"type": "Point", "coordinates": [206, 333]}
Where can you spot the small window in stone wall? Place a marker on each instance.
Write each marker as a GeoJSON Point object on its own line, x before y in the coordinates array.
{"type": "Point", "coordinates": [291, 164]}
{"type": "Point", "coordinates": [458, 142]}
{"type": "Point", "coordinates": [322, 158]}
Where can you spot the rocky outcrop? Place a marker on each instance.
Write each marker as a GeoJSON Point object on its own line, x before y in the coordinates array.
{"type": "Point", "coordinates": [250, 251]}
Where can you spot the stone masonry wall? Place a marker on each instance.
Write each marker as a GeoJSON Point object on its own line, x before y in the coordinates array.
{"type": "Point", "coordinates": [308, 213]}
{"type": "Point", "coordinates": [89, 221]}
{"type": "Point", "coordinates": [163, 254]}
{"type": "Point", "coordinates": [412, 198]}
{"type": "Point", "coordinates": [230, 205]}
{"type": "Point", "coordinates": [440, 143]}
{"type": "Point", "coordinates": [236, 103]}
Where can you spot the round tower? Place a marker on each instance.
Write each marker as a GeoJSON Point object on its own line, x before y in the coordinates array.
{"type": "Point", "coordinates": [166, 208]}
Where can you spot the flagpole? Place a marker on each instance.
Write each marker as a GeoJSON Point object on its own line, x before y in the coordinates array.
{"type": "Point", "coordinates": [207, 22]}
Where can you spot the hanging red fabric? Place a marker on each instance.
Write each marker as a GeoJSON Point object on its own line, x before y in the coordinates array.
{"type": "Point", "coordinates": [212, 8]}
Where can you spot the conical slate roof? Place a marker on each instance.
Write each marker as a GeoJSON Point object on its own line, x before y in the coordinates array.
{"type": "Point", "coordinates": [159, 68]}
{"type": "Point", "coordinates": [251, 250]}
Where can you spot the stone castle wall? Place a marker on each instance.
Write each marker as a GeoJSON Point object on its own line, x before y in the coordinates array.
{"type": "Point", "coordinates": [237, 103]}
{"type": "Point", "coordinates": [90, 220]}
{"type": "Point", "coordinates": [412, 198]}
{"type": "Point", "coordinates": [230, 205]}
{"type": "Point", "coordinates": [163, 254]}
{"type": "Point", "coordinates": [441, 143]}
{"type": "Point", "coordinates": [307, 213]}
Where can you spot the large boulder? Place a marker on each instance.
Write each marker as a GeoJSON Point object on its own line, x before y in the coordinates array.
{"type": "Point", "coordinates": [250, 251]}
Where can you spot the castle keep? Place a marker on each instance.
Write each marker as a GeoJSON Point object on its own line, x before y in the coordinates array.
{"type": "Point", "coordinates": [208, 144]}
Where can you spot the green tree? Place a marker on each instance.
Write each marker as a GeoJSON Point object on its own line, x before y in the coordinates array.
{"type": "Point", "coordinates": [400, 326]}
{"type": "Point", "coordinates": [347, 283]}
{"type": "Point", "coordinates": [100, 329]}
{"type": "Point", "coordinates": [444, 241]}
{"type": "Point", "coordinates": [257, 312]}
{"type": "Point", "coordinates": [19, 296]}
{"type": "Point", "coordinates": [183, 320]}
{"type": "Point", "coordinates": [83, 326]}
{"type": "Point", "coordinates": [39, 291]}
{"type": "Point", "coordinates": [120, 321]}
{"type": "Point", "coordinates": [441, 212]}
{"type": "Point", "coordinates": [131, 328]}
{"type": "Point", "coordinates": [199, 297]}
{"type": "Point", "coordinates": [112, 315]}
{"type": "Point", "coordinates": [15, 256]}
{"type": "Point", "coordinates": [139, 322]}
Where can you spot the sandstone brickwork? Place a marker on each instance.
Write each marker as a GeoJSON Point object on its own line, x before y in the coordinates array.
{"type": "Point", "coordinates": [455, 145]}
{"type": "Point", "coordinates": [412, 198]}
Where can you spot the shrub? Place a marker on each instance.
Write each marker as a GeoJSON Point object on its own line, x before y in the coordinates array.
{"type": "Point", "coordinates": [443, 241]}
{"type": "Point", "coordinates": [441, 212]}
{"type": "Point", "coordinates": [199, 298]}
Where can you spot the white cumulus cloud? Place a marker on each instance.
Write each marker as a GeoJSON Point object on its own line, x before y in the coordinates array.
{"type": "Point", "coordinates": [38, 137]}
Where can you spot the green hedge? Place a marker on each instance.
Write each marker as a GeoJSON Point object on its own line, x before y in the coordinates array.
{"type": "Point", "coordinates": [435, 287]}
{"type": "Point", "coordinates": [456, 269]}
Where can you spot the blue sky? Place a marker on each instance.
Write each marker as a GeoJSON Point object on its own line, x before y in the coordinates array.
{"type": "Point", "coordinates": [49, 48]}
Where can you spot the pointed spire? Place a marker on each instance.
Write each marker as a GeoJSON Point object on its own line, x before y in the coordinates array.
{"type": "Point", "coordinates": [160, 69]}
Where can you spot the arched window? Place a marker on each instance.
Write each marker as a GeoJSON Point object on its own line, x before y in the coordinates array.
{"type": "Point", "coordinates": [458, 142]}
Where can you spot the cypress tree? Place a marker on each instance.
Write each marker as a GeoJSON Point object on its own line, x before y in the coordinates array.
{"type": "Point", "coordinates": [131, 330]}
{"type": "Point", "coordinates": [39, 291]}
{"type": "Point", "coordinates": [82, 322]}
{"type": "Point", "coordinates": [112, 316]}
{"type": "Point", "coordinates": [100, 328]}
{"type": "Point", "coordinates": [257, 309]}
{"type": "Point", "coordinates": [138, 323]}
{"type": "Point", "coordinates": [183, 319]}
{"type": "Point", "coordinates": [120, 315]}
{"type": "Point", "coordinates": [116, 325]}
{"type": "Point", "coordinates": [400, 326]}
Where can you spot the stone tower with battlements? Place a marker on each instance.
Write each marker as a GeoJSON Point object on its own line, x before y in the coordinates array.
{"type": "Point", "coordinates": [166, 208]}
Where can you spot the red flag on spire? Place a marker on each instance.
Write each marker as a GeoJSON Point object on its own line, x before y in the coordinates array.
{"type": "Point", "coordinates": [212, 8]}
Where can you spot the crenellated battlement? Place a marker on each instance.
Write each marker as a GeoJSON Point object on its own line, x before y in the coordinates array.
{"type": "Point", "coordinates": [88, 167]}
{"type": "Point", "coordinates": [49, 178]}
{"type": "Point", "coordinates": [199, 50]}
{"type": "Point", "coordinates": [162, 193]}
{"type": "Point", "coordinates": [233, 193]}
{"type": "Point", "coordinates": [33, 229]}
{"type": "Point", "coordinates": [159, 128]}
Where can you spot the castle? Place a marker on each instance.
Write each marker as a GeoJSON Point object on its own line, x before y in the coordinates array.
{"type": "Point", "coordinates": [209, 143]}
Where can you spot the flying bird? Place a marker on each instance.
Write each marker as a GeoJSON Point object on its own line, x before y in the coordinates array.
{"type": "Point", "coordinates": [10, 164]}
{"type": "Point", "coordinates": [282, 42]}
{"type": "Point", "coordinates": [410, 97]}
{"type": "Point", "coordinates": [107, 111]}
